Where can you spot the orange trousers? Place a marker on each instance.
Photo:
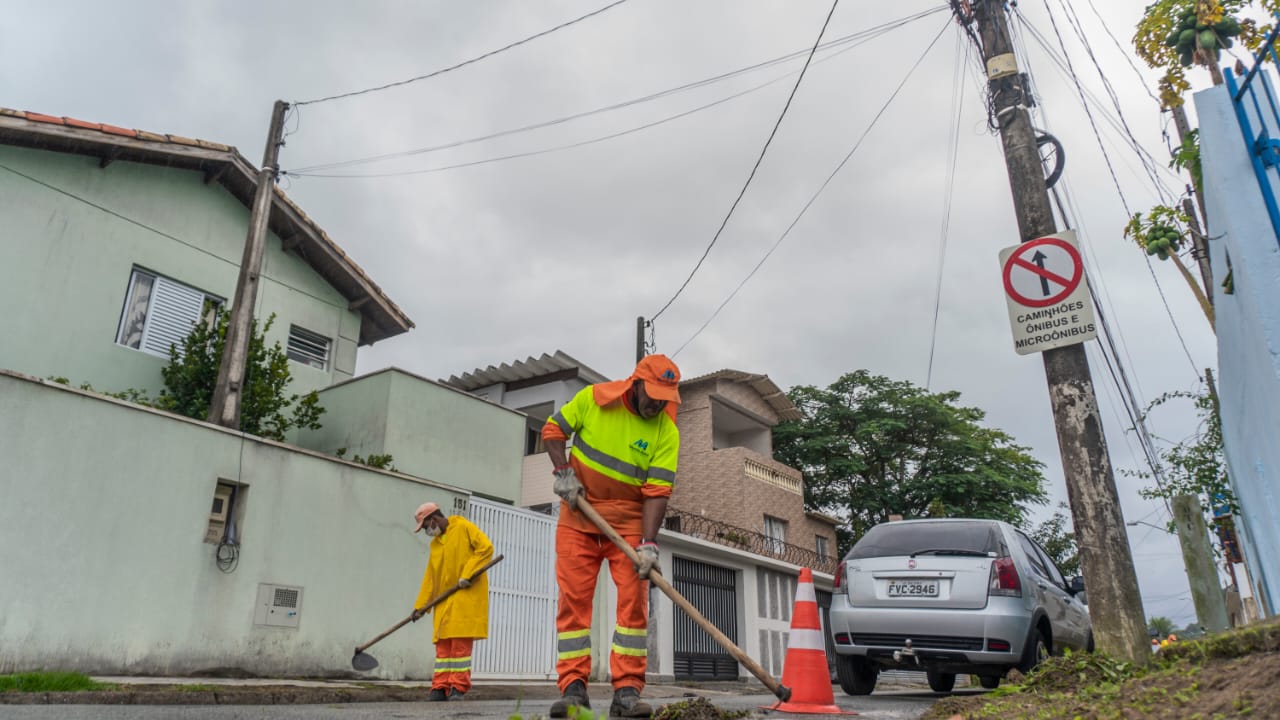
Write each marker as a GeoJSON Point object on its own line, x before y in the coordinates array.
{"type": "Point", "coordinates": [578, 558]}
{"type": "Point", "coordinates": [453, 664]}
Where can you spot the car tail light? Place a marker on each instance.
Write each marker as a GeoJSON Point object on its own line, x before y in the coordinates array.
{"type": "Point", "coordinates": [843, 639]}
{"type": "Point", "coordinates": [998, 645]}
{"type": "Point", "coordinates": [1004, 578]}
{"type": "Point", "coordinates": [839, 583]}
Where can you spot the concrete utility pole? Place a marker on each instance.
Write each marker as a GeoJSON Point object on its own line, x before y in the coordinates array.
{"type": "Point", "coordinates": [1197, 555]}
{"type": "Point", "coordinates": [1115, 605]}
{"type": "Point", "coordinates": [224, 408]}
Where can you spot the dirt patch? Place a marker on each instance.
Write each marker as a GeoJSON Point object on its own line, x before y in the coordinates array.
{"type": "Point", "coordinates": [1232, 675]}
{"type": "Point", "coordinates": [696, 709]}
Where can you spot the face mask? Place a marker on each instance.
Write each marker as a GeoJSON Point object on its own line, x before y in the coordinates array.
{"type": "Point", "coordinates": [433, 531]}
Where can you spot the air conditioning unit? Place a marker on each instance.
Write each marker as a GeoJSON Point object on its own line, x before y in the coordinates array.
{"type": "Point", "coordinates": [220, 514]}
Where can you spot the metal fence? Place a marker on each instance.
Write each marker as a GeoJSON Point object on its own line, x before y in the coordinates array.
{"type": "Point", "coordinates": [1258, 112]}
{"type": "Point", "coordinates": [722, 533]}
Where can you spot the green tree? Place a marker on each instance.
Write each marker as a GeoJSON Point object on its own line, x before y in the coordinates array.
{"type": "Point", "coordinates": [1160, 626]}
{"type": "Point", "coordinates": [265, 408]}
{"type": "Point", "coordinates": [870, 447]}
{"type": "Point", "coordinates": [1056, 537]}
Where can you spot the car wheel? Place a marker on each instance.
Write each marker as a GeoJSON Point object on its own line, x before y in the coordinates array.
{"type": "Point", "coordinates": [857, 675]}
{"type": "Point", "coordinates": [990, 682]}
{"type": "Point", "coordinates": [940, 681]}
{"type": "Point", "coordinates": [1036, 652]}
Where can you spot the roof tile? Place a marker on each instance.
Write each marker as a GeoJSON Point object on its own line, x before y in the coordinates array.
{"type": "Point", "coordinates": [12, 113]}
{"type": "Point", "coordinates": [115, 130]}
{"type": "Point", "coordinates": [73, 122]}
{"type": "Point", "coordinates": [212, 145]}
{"type": "Point", "coordinates": [38, 117]}
{"type": "Point", "coordinates": [182, 140]}
{"type": "Point", "coordinates": [153, 137]}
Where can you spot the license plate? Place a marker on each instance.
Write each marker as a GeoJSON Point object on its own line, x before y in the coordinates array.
{"type": "Point", "coordinates": [913, 588]}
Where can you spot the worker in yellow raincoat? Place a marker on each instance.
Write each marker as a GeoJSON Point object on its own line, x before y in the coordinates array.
{"type": "Point", "coordinates": [458, 550]}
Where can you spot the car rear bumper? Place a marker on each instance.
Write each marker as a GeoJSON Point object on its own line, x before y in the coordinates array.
{"type": "Point", "coordinates": [940, 638]}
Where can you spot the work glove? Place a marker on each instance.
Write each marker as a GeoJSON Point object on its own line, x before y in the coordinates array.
{"type": "Point", "coordinates": [418, 613]}
{"type": "Point", "coordinates": [567, 486]}
{"type": "Point", "coordinates": [648, 552]}
{"type": "Point", "coordinates": [464, 583]}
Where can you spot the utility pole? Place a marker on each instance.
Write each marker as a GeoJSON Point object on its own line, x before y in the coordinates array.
{"type": "Point", "coordinates": [224, 408]}
{"type": "Point", "coordinates": [1199, 243]}
{"type": "Point", "coordinates": [639, 339]}
{"type": "Point", "coordinates": [1197, 555]}
{"type": "Point", "coordinates": [1115, 604]}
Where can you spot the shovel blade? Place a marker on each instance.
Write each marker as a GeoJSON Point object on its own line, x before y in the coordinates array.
{"type": "Point", "coordinates": [363, 662]}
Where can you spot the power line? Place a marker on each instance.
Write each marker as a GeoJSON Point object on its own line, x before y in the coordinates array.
{"type": "Point", "coordinates": [815, 196]}
{"type": "Point", "coordinates": [1142, 80]}
{"type": "Point", "coordinates": [1120, 191]}
{"type": "Point", "coordinates": [862, 38]}
{"type": "Point", "coordinates": [856, 37]}
{"type": "Point", "coordinates": [464, 63]}
{"type": "Point", "coordinates": [953, 143]}
{"type": "Point", "coordinates": [754, 168]}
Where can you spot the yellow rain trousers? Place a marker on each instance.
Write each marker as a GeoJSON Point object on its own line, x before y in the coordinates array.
{"type": "Point", "coordinates": [458, 553]}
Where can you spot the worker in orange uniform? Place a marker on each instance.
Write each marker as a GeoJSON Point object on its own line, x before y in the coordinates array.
{"type": "Point", "coordinates": [623, 460]}
{"type": "Point", "coordinates": [458, 550]}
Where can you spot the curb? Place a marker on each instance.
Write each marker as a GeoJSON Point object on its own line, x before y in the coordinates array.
{"type": "Point", "coordinates": [266, 695]}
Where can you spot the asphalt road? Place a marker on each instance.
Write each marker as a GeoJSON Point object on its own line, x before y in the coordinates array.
{"type": "Point", "coordinates": [889, 705]}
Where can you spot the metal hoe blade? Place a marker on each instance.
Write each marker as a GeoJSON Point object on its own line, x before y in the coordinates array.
{"type": "Point", "coordinates": [363, 662]}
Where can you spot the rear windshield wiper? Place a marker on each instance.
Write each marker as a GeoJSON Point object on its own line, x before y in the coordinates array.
{"type": "Point", "coordinates": [949, 551]}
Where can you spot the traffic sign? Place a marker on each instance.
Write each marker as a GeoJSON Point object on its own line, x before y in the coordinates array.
{"type": "Point", "coordinates": [1048, 298]}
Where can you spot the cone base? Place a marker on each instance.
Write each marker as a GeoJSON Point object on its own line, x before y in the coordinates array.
{"type": "Point", "coordinates": [808, 708]}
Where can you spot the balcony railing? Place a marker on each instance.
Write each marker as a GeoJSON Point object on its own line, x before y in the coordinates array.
{"type": "Point", "coordinates": [760, 471]}
{"type": "Point", "coordinates": [728, 535]}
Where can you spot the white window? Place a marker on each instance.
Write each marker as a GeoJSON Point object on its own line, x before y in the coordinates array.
{"type": "Point", "coordinates": [824, 551]}
{"type": "Point", "coordinates": [308, 348]}
{"type": "Point", "coordinates": [776, 531]}
{"type": "Point", "coordinates": [159, 313]}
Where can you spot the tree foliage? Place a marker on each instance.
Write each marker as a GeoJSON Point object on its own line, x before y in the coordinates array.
{"type": "Point", "coordinates": [1195, 466]}
{"type": "Point", "coordinates": [265, 409]}
{"type": "Point", "coordinates": [870, 447]}
{"type": "Point", "coordinates": [1056, 535]}
{"type": "Point", "coordinates": [1160, 626]}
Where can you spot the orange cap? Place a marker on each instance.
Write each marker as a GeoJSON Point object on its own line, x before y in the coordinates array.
{"type": "Point", "coordinates": [661, 377]}
{"type": "Point", "coordinates": [424, 511]}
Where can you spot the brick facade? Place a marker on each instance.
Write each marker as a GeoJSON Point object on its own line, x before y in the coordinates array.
{"type": "Point", "coordinates": [715, 482]}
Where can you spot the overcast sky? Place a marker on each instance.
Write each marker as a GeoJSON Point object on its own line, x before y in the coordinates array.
{"type": "Point", "coordinates": [563, 250]}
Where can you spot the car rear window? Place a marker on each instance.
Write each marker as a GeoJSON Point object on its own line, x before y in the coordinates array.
{"type": "Point", "coordinates": [894, 539]}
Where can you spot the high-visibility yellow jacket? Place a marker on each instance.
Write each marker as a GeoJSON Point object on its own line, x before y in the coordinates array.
{"type": "Point", "coordinates": [458, 553]}
{"type": "Point", "coordinates": [620, 458]}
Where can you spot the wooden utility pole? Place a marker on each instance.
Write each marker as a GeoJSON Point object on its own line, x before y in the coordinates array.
{"type": "Point", "coordinates": [1115, 605]}
{"type": "Point", "coordinates": [639, 339]}
{"type": "Point", "coordinates": [1199, 243]}
{"type": "Point", "coordinates": [224, 408]}
{"type": "Point", "coordinates": [1197, 556]}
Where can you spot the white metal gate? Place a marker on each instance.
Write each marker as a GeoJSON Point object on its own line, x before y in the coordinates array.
{"type": "Point", "coordinates": [522, 594]}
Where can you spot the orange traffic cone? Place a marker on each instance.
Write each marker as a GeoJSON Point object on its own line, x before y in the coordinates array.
{"type": "Point", "coordinates": [804, 670]}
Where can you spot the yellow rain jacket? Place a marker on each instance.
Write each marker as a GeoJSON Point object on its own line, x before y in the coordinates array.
{"type": "Point", "coordinates": [458, 553]}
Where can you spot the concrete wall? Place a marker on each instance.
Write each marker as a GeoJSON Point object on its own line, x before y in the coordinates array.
{"type": "Point", "coordinates": [431, 430]}
{"type": "Point", "coordinates": [1248, 328]}
{"type": "Point", "coordinates": [104, 568]}
{"type": "Point", "coordinates": [67, 267]}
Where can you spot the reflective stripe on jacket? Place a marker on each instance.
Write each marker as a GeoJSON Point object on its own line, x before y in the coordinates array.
{"type": "Point", "coordinates": [620, 457]}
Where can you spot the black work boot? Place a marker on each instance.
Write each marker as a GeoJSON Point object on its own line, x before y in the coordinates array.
{"type": "Point", "coordinates": [438, 695]}
{"type": "Point", "coordinates": [627, 703]}
{"type": "Point", "coordinates": [574, 696]}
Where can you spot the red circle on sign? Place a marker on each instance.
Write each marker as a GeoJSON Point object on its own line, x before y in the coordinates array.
{"type": "Point", "coordinates": [1077, 272]}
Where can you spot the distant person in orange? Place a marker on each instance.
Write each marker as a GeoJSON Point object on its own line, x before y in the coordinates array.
{"type": "Point", "coordinates": [623, 460]}
{"type": "Point", "coordinates": [458, 550]}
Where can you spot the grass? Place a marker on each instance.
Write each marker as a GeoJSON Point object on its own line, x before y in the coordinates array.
{"type": "Point", "coordinates": [49, 681]}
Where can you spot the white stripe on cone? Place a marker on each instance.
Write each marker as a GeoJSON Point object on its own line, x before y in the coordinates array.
{"type": "Point", "coordinates": [806, 593]}
{"type": "Point", "coordinates": [806, 640]}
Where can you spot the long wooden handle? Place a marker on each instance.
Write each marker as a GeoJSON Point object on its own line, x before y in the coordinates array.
{"type": "Point", "coordinates": [656, 578]}
{"type": "Point", "coordinates": [496, 559]}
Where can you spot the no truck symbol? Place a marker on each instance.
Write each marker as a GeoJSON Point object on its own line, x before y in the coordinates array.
{"type": "Point", "coordinates": [1043, 272]}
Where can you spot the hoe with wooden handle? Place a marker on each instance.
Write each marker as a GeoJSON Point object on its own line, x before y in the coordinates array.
{"type": "Point", "coordinates": [781, 691]}
{"type": "Point", "coordinates": [364, 662]}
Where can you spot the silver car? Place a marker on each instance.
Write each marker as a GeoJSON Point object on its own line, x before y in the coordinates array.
{"type": "Point", "coordinates": [949, 596]}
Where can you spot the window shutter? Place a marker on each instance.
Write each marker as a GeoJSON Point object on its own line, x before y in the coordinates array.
{"type": "Point", "coordinates": [308, 348]}
{"type": "Point", "coordinates": [175, 309]}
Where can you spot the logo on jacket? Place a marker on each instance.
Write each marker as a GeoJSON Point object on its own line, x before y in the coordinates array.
{"type": "Point", "coordinates": [642, 445]}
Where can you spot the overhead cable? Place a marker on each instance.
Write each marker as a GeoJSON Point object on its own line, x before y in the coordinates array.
{"type": "Point", "coordinates": [953, 147]}
{"type": "Point", "coordinates": [751, 176]}
{"type": "Point", "coordinates": [814, 197]}
{"type": "Point", "coordinates": [855, 37]}
{"type": "Point", "coordinates": [464, 63]}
